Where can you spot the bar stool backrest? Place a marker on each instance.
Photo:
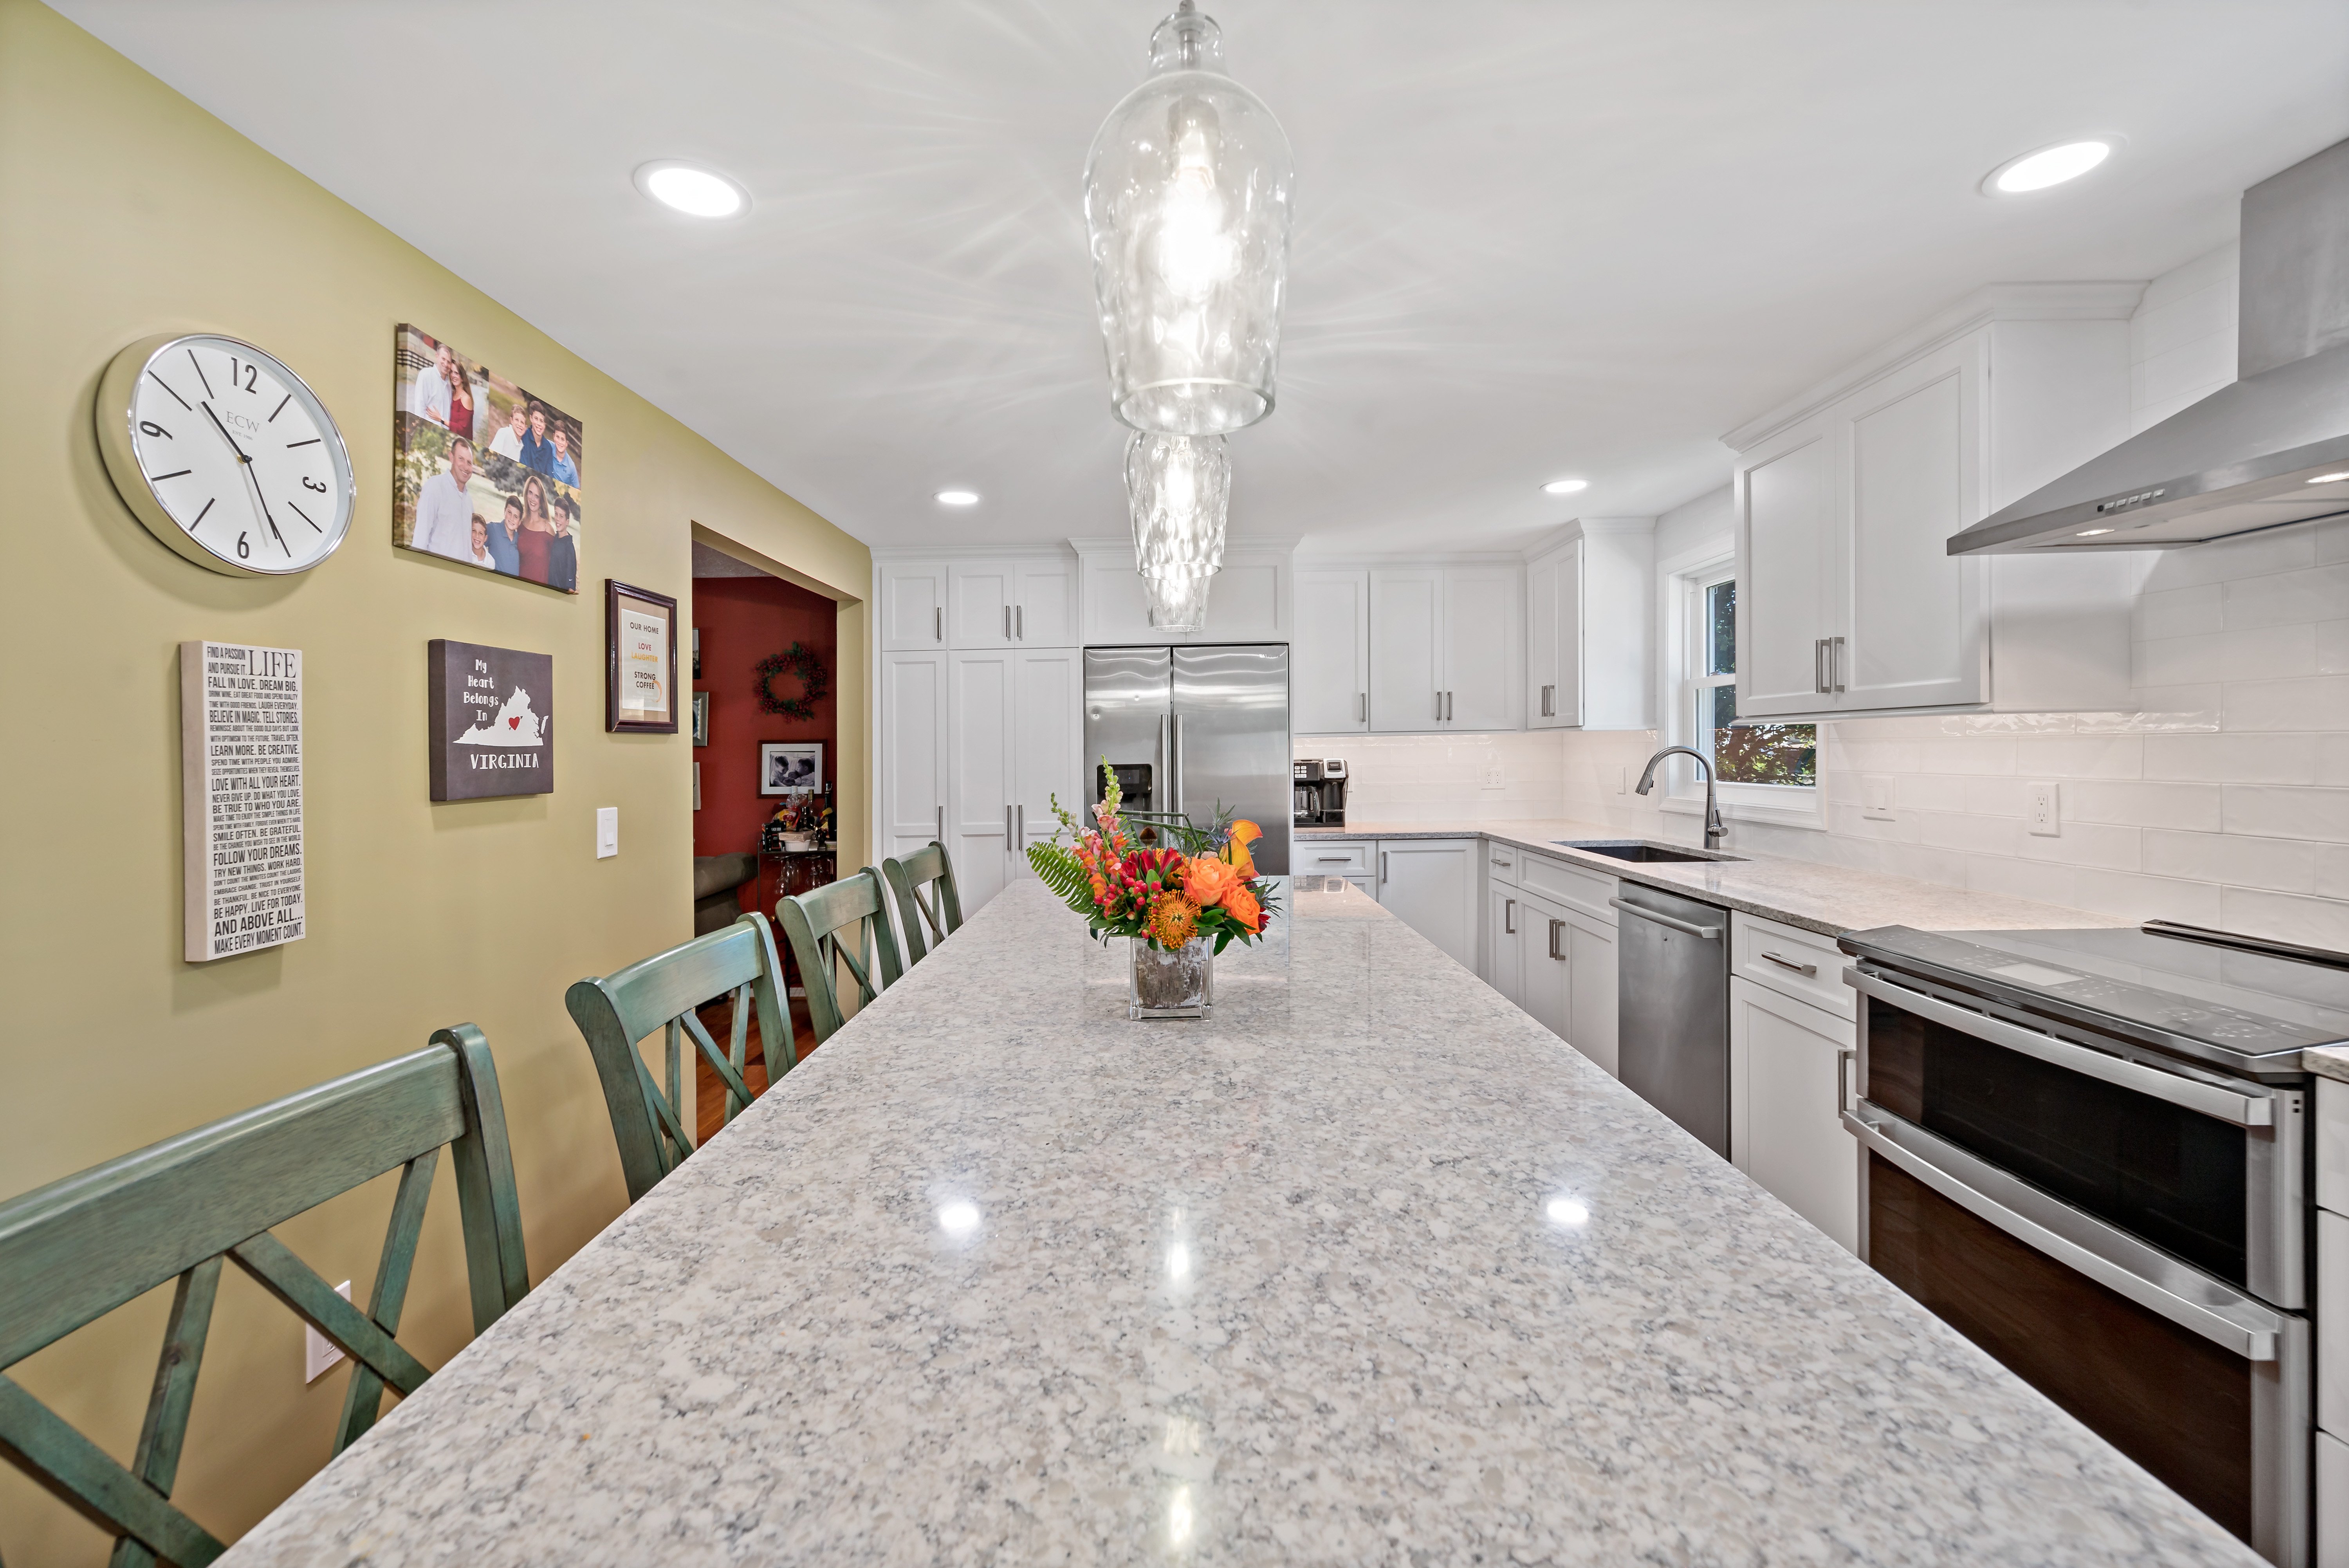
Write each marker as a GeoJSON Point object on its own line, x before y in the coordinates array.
{"type": "Point", "coordinates": [843, 923]}
{"type": "Point", "coordinates": [664, 993]}
{"type": "Point", "coordinates": [74, 1251]}
{"type": "Point", "coordinates": [928, 867]}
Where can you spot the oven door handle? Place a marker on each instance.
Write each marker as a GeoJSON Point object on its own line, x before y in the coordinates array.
{"type": "Point", "coordinates": [2209, 1099]}
{"type": "Point", "coordinates": [2080, 1241]}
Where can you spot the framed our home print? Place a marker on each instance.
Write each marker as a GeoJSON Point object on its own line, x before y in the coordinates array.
{"type": "Point", "coordinates": [640, 682]}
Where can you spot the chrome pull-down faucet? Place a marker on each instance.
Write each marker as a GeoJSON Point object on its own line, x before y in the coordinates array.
{"type": "Point", "coordinates": [1713, 831]}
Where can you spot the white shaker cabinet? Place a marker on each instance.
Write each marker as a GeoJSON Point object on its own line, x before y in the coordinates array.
{"type": "Point", "coordinates": [1431, 885]}
{"type": "Point", "coordinates": [1570, 977]}
{"type": "Point", "coordinates": [1446, 648]}
{"type": "Point", "coordinates": [1787, 1083]}
{"type": "Point", "coordinates": [913, 597]}
{"type": "Point", "coordinates": [914, 743]}
{"type": "Point", "coordinates": [1849, 601]}
{"type": "Point", "coordinates": [1248, 599]}
{"type": "Point", "coordinates": [980, 783]}
{"type": "Point", "coordinates": [1012, 602]}
{"type": "Point", "coordinates": [1329, 661]}
{"type": "Point", "coordinates": [1591, 627]}
{"type": "Point", "coordinates": [1047, 697]}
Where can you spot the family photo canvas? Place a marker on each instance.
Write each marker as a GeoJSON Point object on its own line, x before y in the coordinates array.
{"type": "Point", "coordinates": [484, 471]}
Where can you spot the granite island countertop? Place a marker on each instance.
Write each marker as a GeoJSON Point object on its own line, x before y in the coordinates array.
{"type": "Point", "coordinates": [1829, 899]}
{"type": "Point", "coordinates": [1368, 1267]}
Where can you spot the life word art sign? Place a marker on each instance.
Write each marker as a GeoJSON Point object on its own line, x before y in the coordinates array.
{"type": "Point", "coordinates": [240, 797]}
{"type": "Point", "coordinates": [492, 721]}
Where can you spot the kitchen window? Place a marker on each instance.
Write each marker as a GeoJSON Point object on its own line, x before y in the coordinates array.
{"type": "Point", "coordinates": [1766, 772]}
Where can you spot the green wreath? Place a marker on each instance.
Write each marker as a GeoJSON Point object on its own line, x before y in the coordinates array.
{"type": "Point", "coordinates": [802, 661]}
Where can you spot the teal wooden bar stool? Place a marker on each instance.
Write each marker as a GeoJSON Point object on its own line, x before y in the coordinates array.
{"type": "Point", "coordinates": [843, 923]}
{"type": "Point", "coordinates": [74, 1251]}
{"type": "Point", "coordinates": [928, 866]}
{"type": "Point", "coordinates": [663, 992]}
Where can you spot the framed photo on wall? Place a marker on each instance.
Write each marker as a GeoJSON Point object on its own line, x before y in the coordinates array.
{"type": "Point", "coordinates": [701, 718]}
{"type": "Point", "coordinates": [791, 767]}
{"type": "Point", "coordinates": [640, 671]}
{"type": "Point", "coordinates": [484, 472]}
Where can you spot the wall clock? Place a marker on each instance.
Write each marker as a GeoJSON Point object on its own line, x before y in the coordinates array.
{"type": "Point", "coordinates": [225, 454]}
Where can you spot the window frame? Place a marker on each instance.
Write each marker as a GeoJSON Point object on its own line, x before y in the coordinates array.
{"type": "Point", "coordinates": [1683, 583]}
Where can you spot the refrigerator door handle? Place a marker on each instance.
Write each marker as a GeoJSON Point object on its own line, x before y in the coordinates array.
{"type": "Point", "coordinates": [1175, 763]}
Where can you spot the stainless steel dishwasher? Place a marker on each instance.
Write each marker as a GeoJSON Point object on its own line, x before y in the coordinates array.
{"type": "Point", "coordinates": [1673, 1008]}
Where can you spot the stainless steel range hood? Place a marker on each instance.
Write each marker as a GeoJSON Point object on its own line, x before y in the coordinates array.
{"type": "Point", "coordinates": [2251, 455]}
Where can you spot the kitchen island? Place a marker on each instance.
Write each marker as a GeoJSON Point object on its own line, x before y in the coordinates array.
{"type": "Point", "coordinates": [1366, 1268]}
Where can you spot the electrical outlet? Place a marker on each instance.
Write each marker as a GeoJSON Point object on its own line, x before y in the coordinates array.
{"type": "Point", "coordinates": [320, 1353]}
{"type": "Point", "coordinates": [2043, 810]}
{"type": "Point", "coordinates": [1492, 774]}
{"type": "Point", "coordinates": [607, 832]}
{"type": "Point", "coordinates": [1876, 796]}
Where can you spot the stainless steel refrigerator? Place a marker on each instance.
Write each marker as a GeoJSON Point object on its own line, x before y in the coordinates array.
{"type": "Point", "coordinates": [1199, 730]}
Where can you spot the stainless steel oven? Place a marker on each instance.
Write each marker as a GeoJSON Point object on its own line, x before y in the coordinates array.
{"type": "Point", "coordinates": [2088, 1152]}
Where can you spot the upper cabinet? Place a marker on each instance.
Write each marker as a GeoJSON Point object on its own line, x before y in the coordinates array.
{"type": "Point", "coordinates": [971, 600]}
{"type": "Point", "coordinates": [1014, 601]}
{"type": "Point", "coordinates": [1589, 627]}
{"type": "Point", "coordinates": [1848, 600]}
{"type": "Point", "coordinates": [1249, 601]}
{"type": "Point", "coordinates": [1446, 648]}
{"type": "Point", "coordinates": [1330, 657]}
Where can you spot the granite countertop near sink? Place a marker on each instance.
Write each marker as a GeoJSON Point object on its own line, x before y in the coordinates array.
{"type": "Point", "coordinates": [1830, 899]}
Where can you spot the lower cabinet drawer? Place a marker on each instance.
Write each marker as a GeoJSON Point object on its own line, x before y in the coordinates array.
{"type": "Point", "coordinates": [1330, 858]}
{"type": "Point", "coordinates": [1586, 892]}
{"type": "Point", "coordinates": [1791, 961]}
{"type": "Point", "coordinates": [1502, 863]}
{"type": "Point", "coordinates": [2331, 1322]}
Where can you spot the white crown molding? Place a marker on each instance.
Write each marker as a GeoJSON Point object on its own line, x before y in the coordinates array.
{"type": "Point", "coordinates": [1256, 545]}
{"type": "Point", "coordinates": [1999, 302]}
{"type": "Point", "coordinates": [962, 551]}
{"type": "Point", "coordinates": [1566, 533]}
{"type": "Point", "coordinates": [1357, 562]}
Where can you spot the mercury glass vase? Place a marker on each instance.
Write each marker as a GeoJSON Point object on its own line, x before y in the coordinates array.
{"type": "Point", "coordinates": [1187, 192]}
{"type": "Point", "coordinates": [1172, 982]}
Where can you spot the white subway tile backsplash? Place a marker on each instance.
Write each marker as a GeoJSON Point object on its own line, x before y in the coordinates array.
{"type": "Point", "coordinates": [2277, 598]}
{"type": "Point", "coordinates": [2316, 702]}
{"type": "Point", "coordinates": [2133, 896]}
{"type": "Point", "coordinates": [2312, 922]}
{"type": "Point", "coordinates": [2234, 758]}
{"type": "Point", "coordinates": [2143, 804]}
{"type": "Point", "coordinates": [2332, 648]}
{"type": "Point", "coordinates": [2088, 844]}
{"type": "Point", "coordinates": [2182, 612]}
{"type": "Point", "coordinates": [2282, 811]}
{"type": "Point", "coordinates": [2254, 653]}
{"type": "Point", "coordinates": [2245, 555]}
{"type": "Point", "coordinates": [2280, 865]}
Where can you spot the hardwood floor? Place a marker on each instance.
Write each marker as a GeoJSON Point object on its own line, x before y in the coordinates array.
{"type": "Point", "coordinates": [709, 1095]}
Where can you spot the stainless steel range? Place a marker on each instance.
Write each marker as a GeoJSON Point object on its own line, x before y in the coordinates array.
{"type": "Point", "coordinates": [2088, 1152]}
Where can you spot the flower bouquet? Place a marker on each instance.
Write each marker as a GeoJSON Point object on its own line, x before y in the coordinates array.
{"type": "Point", "coordinates": [1178, 904]}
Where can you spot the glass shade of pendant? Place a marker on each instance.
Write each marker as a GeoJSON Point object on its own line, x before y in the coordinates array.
{"type": "Point", "coordinates": [1187, 193]}
{"type": "Point", "coordinates": [1178, 491]}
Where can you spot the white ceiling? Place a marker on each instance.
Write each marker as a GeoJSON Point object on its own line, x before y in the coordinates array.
{"type": "Point", "coordinates": [1534, 237]}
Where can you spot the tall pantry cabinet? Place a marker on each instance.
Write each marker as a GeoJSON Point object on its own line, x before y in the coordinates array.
{"type": "Point", "coordinates": [982, 684]}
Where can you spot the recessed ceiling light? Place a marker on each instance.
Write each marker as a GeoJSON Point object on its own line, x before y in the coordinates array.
{"type": "Point", "coordinates": [1565, 486]}
{"type": "Point", "coordinates": [2329, 478]}
{"type": "Point", "coordinates": [690, 189]}
{"type": "Point", "coordinates": [2090, 532]}
{"type": "Point", "coordinates": [958, 497]}
{"type": "Point", "coordinates": [2048, 166]}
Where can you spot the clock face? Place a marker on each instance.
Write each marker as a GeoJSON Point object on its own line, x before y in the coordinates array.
{"type": "Point", "coordinates": [225, 454]}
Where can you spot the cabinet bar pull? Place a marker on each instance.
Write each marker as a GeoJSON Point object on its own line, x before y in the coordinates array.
{"type": "Point", "coordinates": [1835, 663]}
{"type": "Point", "coordinates": [1819, 665]}
{"type": "Point", "coordinates": [942, 825]}
{"type": "Point", "coordinates": [1332, 859]}
{"type": "Point", "coordinates": [1007, 827]}
{"type": "Point", "coordinates": [1508, 917]}
{"type": "Point", "coordinates": [1439, 707]}
{"type": "Point", "coordinates": [1810, 969]}
{"type": "Point", "coordinates": [1556, 927]}
{"type": "Point", "coordinates": [939, 616]}
{"type": "Point", "coordinates": [1019, 622]}
{"type": "Point", "coordinates": [1366, 707]}
{"type": "Point", "coordinates": [1382, 868]}
{"type": "Point", "coordinates": [1707, 933]}
{"type": "Point", "coordinates": [1020, 839]}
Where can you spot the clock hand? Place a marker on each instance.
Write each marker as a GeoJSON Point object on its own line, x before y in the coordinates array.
{"type": "Point", "coordinates": [252, 484]}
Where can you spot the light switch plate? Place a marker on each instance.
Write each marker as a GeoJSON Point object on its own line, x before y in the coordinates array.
{"type": "Point", "coordinates": [1876, 796]}
{"type": "Point", "coordinates": [320, 1353]}
{"type": "Point", "coordinates": [607, 832]}
{"type": "Point", "coordinates": [1622, 780]}
{"type": "Point", "coordinates": [2043, 810]}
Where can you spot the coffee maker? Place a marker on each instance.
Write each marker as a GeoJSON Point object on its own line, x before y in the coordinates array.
{"type": "Point", "coordinates": [1321, 789]}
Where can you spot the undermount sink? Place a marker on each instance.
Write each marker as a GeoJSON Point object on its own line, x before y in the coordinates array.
{"type": "Point", "coordinates": [1641, 849]}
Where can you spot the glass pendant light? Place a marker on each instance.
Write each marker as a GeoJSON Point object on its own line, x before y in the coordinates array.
{"type": "Point", "coordinates": [1178, 490]}
{"type": "Point", "coordinates": [1187, 205]}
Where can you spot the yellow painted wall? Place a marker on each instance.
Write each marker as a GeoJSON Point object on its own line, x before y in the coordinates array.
{"type": "Point", "coordinates": [125, 211]}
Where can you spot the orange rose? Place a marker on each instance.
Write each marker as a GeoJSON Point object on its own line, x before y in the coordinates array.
{"type": "Point", "coordinates": [1241, 906]}
{"type": "Point", "coordinates": [1205, 880]}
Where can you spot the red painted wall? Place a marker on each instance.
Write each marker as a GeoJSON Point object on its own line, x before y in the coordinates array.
{"type": "Point", "coordinates": [741, 621]}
